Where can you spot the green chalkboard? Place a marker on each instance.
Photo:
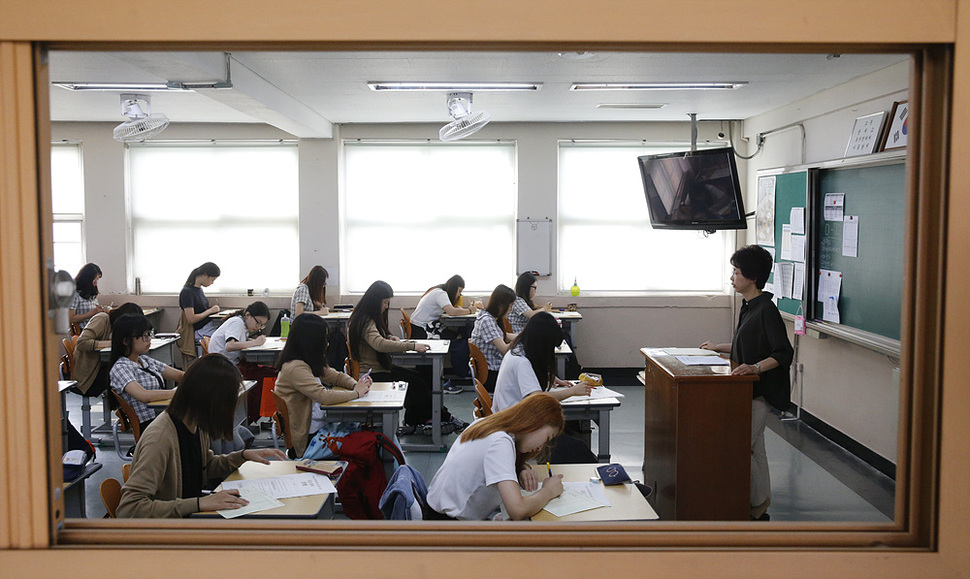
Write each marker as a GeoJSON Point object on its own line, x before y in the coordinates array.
{"type": "Point", "coordinates": [872, 285]}
{"type": "Point", "coordinates": [791, 190]}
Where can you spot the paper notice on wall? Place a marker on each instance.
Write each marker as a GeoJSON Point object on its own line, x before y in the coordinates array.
{"type": "Point", "coordinates": [830, 310]}
{"type": "Point", "coordinates": [829, 284]}
{"type": "Point", "coordinates": [783, 279]}
{"type": "Point", "coordinates": [765, 215]}
{"type": "Point", "coordinates": [797, 220]}
{"type": "Point", "coordinates": [786, 241]}
{"type": "Point", "coordinates": [850, 236]}
{"type": "Point", "coordinates": [798, 281]}
{"type": "Point", "coordinates": [834, 204]}
{"type": "Point", "coordinates": [798, 248]}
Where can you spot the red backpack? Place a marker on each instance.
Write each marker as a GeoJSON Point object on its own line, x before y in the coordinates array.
{"type": "Point", "coordinates": [363, 481]}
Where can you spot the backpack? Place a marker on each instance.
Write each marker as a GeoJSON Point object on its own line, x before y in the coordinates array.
{"type": "Point", "coordinates": [363, 481]}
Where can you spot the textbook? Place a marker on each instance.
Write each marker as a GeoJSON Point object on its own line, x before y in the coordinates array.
{"type": "Point", "coordinates": [330, 468]}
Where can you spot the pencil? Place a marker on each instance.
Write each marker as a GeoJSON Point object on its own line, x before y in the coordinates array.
{"type": "Point", "coordinates": [548, 466]}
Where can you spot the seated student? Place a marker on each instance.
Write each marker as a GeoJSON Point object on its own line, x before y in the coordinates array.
{"type": "Point", "coordinates": [136, 377]}
{"type": "Point", "coordinates": [233, 335]}
{"type": "Point", "coordinates": [311, 295]}
{"type": "Point", "coordinates": [426, 323]}
{"type": "Point", "coordinates": [85, 304]}
{"type": "Point", "coordinates": [173, 462]}
{"type": "Point", "coordinates": [524, 308]}
{"type": "Point", "coordinates": [91, 375]}
{"type": "Point", "coordinates": [530, 365]}
{"type": "Point", "coordinates": [489, 334]}
{"type": "Point", "coordinates": [193, 302]}
{"type": "Point", "coordinates": [486, 467]}
{"type": "Point", "coordinates": [371, 343]}
{"type": "Point", "coordinates": [303, 373]}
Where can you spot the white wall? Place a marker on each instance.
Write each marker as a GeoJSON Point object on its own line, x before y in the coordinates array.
{"type": "Point", "coordinates": [847, 386]}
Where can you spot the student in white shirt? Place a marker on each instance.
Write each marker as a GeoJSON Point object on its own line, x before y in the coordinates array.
{"type": "Point", "coordinates": [530, 365]}
{"type": "Point", "coordinates": [311, 295]}
{"type": "Point", "coordinates": [85, 304]}
{"type": "Point", "coordinates": [487, 467]}
{"type": "Point", "coordinates": [489, 333]}
{"type": "Point", "coordinates": [524, 308]}
{"type": "Point", "coordinates": [233, 335]}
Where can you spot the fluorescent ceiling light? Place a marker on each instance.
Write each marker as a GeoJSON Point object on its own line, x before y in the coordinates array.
{"type": "Point", "coordinates": [455, 86]}
{"type": "Point", "coordinates": [632, 107]}
{"type": "Point", "coordinates": [657, 85]}
{"type": "Point", "coordinates": [119, 86]}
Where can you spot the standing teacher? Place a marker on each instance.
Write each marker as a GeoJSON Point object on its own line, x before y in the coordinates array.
{"type": "Point", "coordinates": [760, 346]}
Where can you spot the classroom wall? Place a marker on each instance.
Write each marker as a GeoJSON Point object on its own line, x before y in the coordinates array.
{"type": "Point", "coordinates": [847, 386]}
{"type": "Point", "coordinates": [613, 328]}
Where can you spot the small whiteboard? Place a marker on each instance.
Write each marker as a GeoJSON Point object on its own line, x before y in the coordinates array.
{"type": "Point", "coordinates": [534, 246]}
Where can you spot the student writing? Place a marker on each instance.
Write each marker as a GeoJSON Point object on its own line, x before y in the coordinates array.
{"type": "Point", "coordinates": [440, 299]}
{"type": "Point", "coordinates": [233, 335]}
{"type": "Point", "coordinates": [489, 333]}
{"type": "Point", "coordinates": [193, 302]}
{"type": "Point", "coordinates": [172, 462]}
{"type": "Point", "coordinates": [487, 466]}
{"type": "Point", "coordinates": [91, 375]}
{"type": "Point", "coordinates": [524, 308]}
{"type": "Point", "coordinates": [85, 304]}
{"type": "Point", "coordinates": [311, 295]}
{"type": "Point", "coordinates": [303, 374]}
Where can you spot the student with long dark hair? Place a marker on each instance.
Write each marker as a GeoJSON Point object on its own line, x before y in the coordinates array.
{"type": "Point", "coordinates": [524, 308]}
{"type": "Point", "coordinates": [438, 300]}
{"type": "Point", "coordinates": [85, 304]}
{"type": "Point", "coordinates": [489, 332]}
{"type": "Point", "coordinates": [172, 461]}
{"type": "Point", "coordinates": [136, 377]}
{"type": "Point", "coordinates": [371, 344]}
{"type": "Point", "coordinates": [311, 295]}
{"type": "Point", "coordinates": [530, 365]}
{"type": "Point", "coordinates": [233, 335]}
{"type": "Point", "coordinates": [487, 467]}
{"type": "Point", "coordinates": [760, 346]}
{"type": "Point", "coordinates": [193, 302]}
{"type": "Point", "coordinates": [305, 378]}
{"type": "Point", "coordinates": [91, 375]}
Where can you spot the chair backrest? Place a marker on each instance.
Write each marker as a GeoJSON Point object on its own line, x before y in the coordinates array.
{"type": "Point", "coordinates": [204, 342]}
{"type": "Point", "coordinates": [111, 495]}
{"type": "Point", "coordinates": [126, 471]}
{"type": "Point", "coordinates": [75, 329]}
{"type": "Point", "coordinates": [507, 325]}
{"type": "Point", "coordinates": [350, 364]}
{"type": "Point", "coordinates": [484, 400]}
{"type": "Point", "coordinates": [70, 346]}
{"type": "Point", "coordinates": [405, 325]}
{"type": "Point", "coordinates": [477, 363]}
{"type": "Point", "coordinates": [127, 415]}
{"type": "Point", "coordinates": [282, 418]}
{"type": "Point", "coordinates": [267, 405]}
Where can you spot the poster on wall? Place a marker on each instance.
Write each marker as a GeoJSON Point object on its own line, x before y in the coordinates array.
{"type": "Point", "coordinates": [765, 220]}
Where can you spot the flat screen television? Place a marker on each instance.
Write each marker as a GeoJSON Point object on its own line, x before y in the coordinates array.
{"type": "Point", "coordinates": [693, 190]}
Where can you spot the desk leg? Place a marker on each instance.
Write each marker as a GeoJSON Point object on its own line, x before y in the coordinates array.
{"type": "Point", "coordinates": [561, 367]}
{"type": "Point", "coordinates": [436, 401]}
{"type": "Point", "coordinates": [604, 436]}
{"type": "Point", "coordinates": [86, 417]}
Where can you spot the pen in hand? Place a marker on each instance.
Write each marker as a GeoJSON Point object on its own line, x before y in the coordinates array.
{"type": "Point", "coordinates": [549, 468]}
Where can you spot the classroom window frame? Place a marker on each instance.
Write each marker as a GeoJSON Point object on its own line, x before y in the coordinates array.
{"type": "Point", "coordinates": [75, 218]}
{"type": "Point", "coordinates": [913, 529]}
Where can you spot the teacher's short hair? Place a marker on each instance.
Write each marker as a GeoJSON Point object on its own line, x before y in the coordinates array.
{"type": "Point", "coordinates": [754, 262]}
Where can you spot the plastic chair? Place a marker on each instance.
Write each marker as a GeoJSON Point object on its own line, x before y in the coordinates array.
{"type": "Point", "coordinates": [67, 373]}
{"type": "Point", "coordinates": [75, 330]}
{"type": "Point", "coordinates": [126, 471]}
{"type": "Point", "coordinates": [127, 420]}
{"type": "Point", "coordinates": [267, 405]}
{"type": "Point", "coordinates": [483, 403]}
{"type": "Point", "coordinates": [351, 366]}
{"type": "Point", "coordinates": [204, 343]}
{"type": "Point", "coordinates": [477, 363]}
{"type": "Point", "coordinates": [405, 325]}
{"type": "Point", "coordinates": [281, 421]}
{"type": "Point", "coordinates": [111, 496]}
{"type": "Point", "coordinates": [507, 326]}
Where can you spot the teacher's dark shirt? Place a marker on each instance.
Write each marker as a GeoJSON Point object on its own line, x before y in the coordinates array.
{"type": "Point", "coordinates": [762, 334]}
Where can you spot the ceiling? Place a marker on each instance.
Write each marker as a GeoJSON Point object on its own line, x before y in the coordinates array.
{"type": "Point", "coordinates": [305, 93]}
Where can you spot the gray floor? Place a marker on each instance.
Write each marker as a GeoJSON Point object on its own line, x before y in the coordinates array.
{"type": "Point", "coordinates": [812, 478]}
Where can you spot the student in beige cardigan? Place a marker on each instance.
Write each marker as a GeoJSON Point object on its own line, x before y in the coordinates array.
{"type": "Point", "coordinates": [91, 375]}
{"type": "Point", "coordinates": [305, 376]}
{"type": "Point", "coordinates": [173, 462]}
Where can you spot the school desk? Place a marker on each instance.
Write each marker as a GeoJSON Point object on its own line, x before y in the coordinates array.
{"type": "Point", "coordinates": [74, 492]}
{"type": "Point", "coordinates": [62, 388]}
{"type": "Point", "coordinates": [626, 501]}
{"type": "Point", "coordinates": [567, 319]}
{"type": "Point", "coordinates": [341, 318]}
{"type": "Point", "coordinates": [162, 349]}
{"type": "Point", "coordinates": [239, 416]}
{"type": "Point", "coordinates": [266, 353]}
{"type": "Point", "coordinates": [221, 315]}
{"type": "Point", "coordinates": [598, 410]}
{"type": "Point", "coordinates": [435, 358]}
{"type": "Point", "coordinates": [309, 507]}
{"type": "Point", "coordinates": [154, 315]}
{"type": "Point", "coordinates": [562, 354]}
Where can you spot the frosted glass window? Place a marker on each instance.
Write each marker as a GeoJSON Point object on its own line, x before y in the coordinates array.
{"type": "Point", "coordinates": [606, 242]}
{"type": "Point", "coordinates": [417, 213]}
{"type": "Point", "coordinates": [67, 200]}
{"type": "Point", "coordinates": [235, 204]}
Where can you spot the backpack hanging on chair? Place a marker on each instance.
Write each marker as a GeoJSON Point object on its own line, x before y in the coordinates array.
{"type": "Point", "coordinates": [363, 482]}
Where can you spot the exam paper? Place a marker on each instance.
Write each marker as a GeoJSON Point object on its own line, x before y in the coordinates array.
{"type": "Point", "coordinates": [797, 220]}
{"type": "Point", "coordinates": [850, 236]}
{"type": "Point", "coordinates": [703, 361]}
{"type": "Point", "coordinates": [287, 486]}
{"type": "Point", "coordinates": [258, 501]}
{"type": "Point", "coordinates": [829, 284]}
{"type": "Point", "coordinates": [383, 396]}
{"type": "Point", "coordinates": [577, 497]}
{"type": "Point", "coordinates": [834, 204]}
{"type": "Point", "coordinates": [686, 352]}
{"type": "Point", "coordinates": [596, 393]}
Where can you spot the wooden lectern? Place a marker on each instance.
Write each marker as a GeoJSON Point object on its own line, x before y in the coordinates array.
{"type": "Point", "coordinates": [697, 439]}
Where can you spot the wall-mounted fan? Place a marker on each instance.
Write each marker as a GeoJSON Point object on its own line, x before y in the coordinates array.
{"type": "Point", "coordinates": [466, 122]}
{"type": "Point", "coordinates": [142, 124]}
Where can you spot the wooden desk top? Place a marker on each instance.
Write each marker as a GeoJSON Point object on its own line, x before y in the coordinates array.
{"type": "Point", "coordinates": [272, 344]}
{"type": "Point", "coordinates": [156, 344]}
{"type": "Point", "coordinates": [558, 314]}
{"type": "Point", "coordinates": [677, 369]}
{"type": "Point", "coordinates": [437, 347]}
{"type": "Point", "coordinates": [243, 389]}
{"type": "Point", "coordinates": [223, 314]}
{"type": "Point", "coordinates": [296, 507]}
{"type": "Point", "coordinates": [399, 388]}
{"type": "Point", "coordinates": [627, 504]}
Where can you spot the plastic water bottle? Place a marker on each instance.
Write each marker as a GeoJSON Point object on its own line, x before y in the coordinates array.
{"type": "Point", "coordinates": [285, 326]}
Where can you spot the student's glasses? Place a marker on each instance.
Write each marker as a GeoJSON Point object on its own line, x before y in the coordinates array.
{"type": "Point", "coordinates": [147, 336]}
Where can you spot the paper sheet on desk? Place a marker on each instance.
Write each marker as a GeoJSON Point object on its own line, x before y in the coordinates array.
{"type": "Point", "coordinates": [576, 497]}
{"type": "Point", "coordinates": [287, 486]}
{"type": "Point", "coordinates": [382, 396]}
{"type": "Point", "coordinates": [595, 394]}
{"type": "Point", "coordinates": [686, 352]}
{"type": "Point", "coordinates": [703, 361]}
{"type": "Point", "coordinates": [258, 501]}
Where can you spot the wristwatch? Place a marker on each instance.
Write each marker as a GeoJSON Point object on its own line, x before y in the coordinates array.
{"type": "Point", "coordinates": [757, 367]}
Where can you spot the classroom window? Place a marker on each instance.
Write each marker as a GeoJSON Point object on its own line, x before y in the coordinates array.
{"type": "Point", "coordinates": [606, 243]}
{"type": "Point", "coordinates": [417, 213]}
{"type": "Point", "coordinates": [235, 204]}
{"type": "Point", "coordinates": [67, 197]}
